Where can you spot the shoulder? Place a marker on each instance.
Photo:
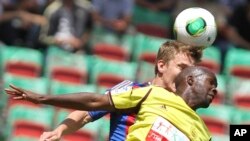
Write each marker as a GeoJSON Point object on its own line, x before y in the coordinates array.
{"type": "Point", "coordinates": [52, 8]}
{"type": "Point", "coordinates": [84, 4]}
{"type": "Point", "coordinates": [126, 86]}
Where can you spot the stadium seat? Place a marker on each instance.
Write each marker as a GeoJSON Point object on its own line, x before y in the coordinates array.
{"type": "Point", "coordinates": [89, 132]}
{"type": "Point", "coordinates": [211, 59]}
{"type": "Point", "coordinates": [28, 121]}
{"type": "Point", "coordinates": [58, 87]}
{"type": "Point", "coordinates": [35, 84]}
{"type": "Point", "coordinates": [237, 62]}
{"type": "Point", "coordinates": [148, 57]}
{"type": "Point", "coordinates": [99, 35]}
{"type": "Point", "coordinates": [146, 65]}
{"type": "Point", "coordinates": [105, 128]}
{"type": "Point", "coordinates": [126, 70]}
{"type": "Point", "coordinates": [242, 116]}
{"type": "Point", "coordinates": [221, 96]}
{"type": "Point", "coordinates": [23, 138]}
{"type": "Point", "coordinates": [147, 16]}
{"type": "Point", "coordinates": [127, 42]}
{"type": "Point", "coordinates": [65, 66]}
{"type": "Point", "coordinates": [239, 91]}
{"type": "Point", "coordinates": [27, 129]}
{"type": "Point", "coordinates": [145, 72]}
{"type": "Point", "coordinates": [38, 85]}
{"type": "Point", "coordinates": [108, 80]}
{"type": "Point", "coordinates": [146, 44]}
{"type": "Point", "coordinates": [110, 51]}
{"type": "Point", "coordinates": [153, 30]}
{"type": "Point", "coordinates": [21, 61]}
{"type": "Point", "coordinates": [217, 118]}
{"type": "Point", "coordinates": [220, 137]}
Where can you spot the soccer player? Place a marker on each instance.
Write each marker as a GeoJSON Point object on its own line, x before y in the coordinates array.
{"type": "Point", "coordinates": [162, 115]}
{"type": "Point", "coordinates": [172, 57]}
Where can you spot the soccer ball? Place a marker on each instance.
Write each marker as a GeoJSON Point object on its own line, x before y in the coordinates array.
{"type": "Point", "coordinates": [195, 26]}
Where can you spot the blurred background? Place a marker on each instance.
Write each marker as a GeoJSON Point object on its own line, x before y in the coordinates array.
{"type": "Point", "coordinates": [67, 46]}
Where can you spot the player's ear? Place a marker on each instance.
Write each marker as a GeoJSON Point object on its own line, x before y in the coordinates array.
{"type": "Point", "coordinates": [190, 80]}
{"type": "Point", "coordinates": [160, 65]}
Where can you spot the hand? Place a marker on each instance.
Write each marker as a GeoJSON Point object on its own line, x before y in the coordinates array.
{"type": "Point", "coordinates": [21, 94]}
{"type": "Point", "coordinates": [50, 136]}
{"type": "Point", "coordinates": [75, 42]}
{"type": "Point", "coordinates": [71, 41]}
{"type": "Point", "coordinates": [120, 25]}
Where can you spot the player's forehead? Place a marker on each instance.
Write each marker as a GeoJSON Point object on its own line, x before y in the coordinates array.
{"type": "Point", "coordinates": [212, 78]}
{"type": "Point", "coordinates": [208, 76]}
{"type": "Point", "coordinates": [184, 58]}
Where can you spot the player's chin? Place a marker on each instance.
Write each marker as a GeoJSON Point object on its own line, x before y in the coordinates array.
{"type": "Point", "coordinates": [207, 103]}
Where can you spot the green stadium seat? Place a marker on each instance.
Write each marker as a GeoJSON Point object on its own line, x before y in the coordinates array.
{"type": "Point", "coordinates": [224, 137]}
{"type": "Point", "coordinates": [237, 62]}
{"type": "Point", "coordinates": [110, 51]}
{"type": "Point", "coordinates": [23, 138]}
{"type": "Point", "coordinates": [29, 121]}
{"type": "Point", "coordinates": [20, 110]}
{"type": "Point", "coordinates": [239, 91]}
{"type": "Point", "coordinates": [65, 66]}
{"type": "Point", "coordinates": [217, 118]}
{"type": "Point", "coordinates": [99, 35]}
{"type": "Point", "coordinates": [89, 132]}
{"type": "Point", "coordinates": [23, 112]}
{"type": "Point", "coordinates": [105, 128]}
{"type": "Point", "coordinates": [127, 42]}
{"type": "Point", "coordinates": [211, 59]}
{"type": "Point", "coordinates": [146, 44]}
{"type": "Point", "coordinates": [145, 72]}
{"type": "Point", "coordinates": [114, 69]}
{"type": "Point", "coordinates": [221, 97]}
{"type": "Point", "coordinates": [153, 30]}
{"type": "Point", "coordinates": [58, 88]}
{"type": "Point", "coordinates": [144, 15]}
{"type": "Point", "coordinates": [38, 85]}
{"type": "Point", "coordinates": [21, 61]}
{"type": "Point", "coordinates": [242, 116]}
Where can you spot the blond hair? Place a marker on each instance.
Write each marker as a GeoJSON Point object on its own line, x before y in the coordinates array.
{"type": "Point", "coordinates": [168, 50]}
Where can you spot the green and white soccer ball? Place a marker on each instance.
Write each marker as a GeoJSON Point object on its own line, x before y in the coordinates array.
{"type": "Point", "coordinates": [195, 26]}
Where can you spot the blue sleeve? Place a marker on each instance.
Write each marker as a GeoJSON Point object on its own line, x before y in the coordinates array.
{"type": "Point", "coordinates": [95, 115]}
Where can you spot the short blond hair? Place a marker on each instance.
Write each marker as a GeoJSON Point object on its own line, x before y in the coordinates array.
{"type": "Point", "coordinates": [169, 48]}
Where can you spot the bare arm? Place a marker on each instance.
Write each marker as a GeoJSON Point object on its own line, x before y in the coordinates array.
{"type": "Point", "coordinates": [6, 16]}
{"type": "Point", "coordinates": [72, 123]}
{"type": "Point", "coordinates": [79, 101]}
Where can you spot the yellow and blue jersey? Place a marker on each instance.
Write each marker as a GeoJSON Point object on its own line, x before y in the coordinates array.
{"type": "Point", "coordinates": [162, 116]}
{"type": "Point", "coordinates": [119, 122]}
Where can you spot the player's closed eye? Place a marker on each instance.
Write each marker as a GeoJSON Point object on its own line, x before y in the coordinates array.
{"type": "Point", "coordinates": [182, 66]}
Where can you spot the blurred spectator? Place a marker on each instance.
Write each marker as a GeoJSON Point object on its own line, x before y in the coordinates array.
{"type": "Point", "coordinates": [19, 24]}
{"type": "Point", "coordinates": [113, 15]}
{"type": "Point", "coordinates": [69, 24]}
{"type": "Point", "coordinates": [158, 5]}
{"type": "Point", "coordinates": [232, 4]}
{"type": "Point", "coordinates": [237, 30]}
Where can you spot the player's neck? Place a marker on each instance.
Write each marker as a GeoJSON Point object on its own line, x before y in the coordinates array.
{"type": "Point", "coordinates": [157, 81]}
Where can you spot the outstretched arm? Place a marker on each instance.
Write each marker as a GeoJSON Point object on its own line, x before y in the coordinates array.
{"type": "Point", "coordinates": [79, 101]}
{"type": "Point", "coordinates": [72, 123]}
